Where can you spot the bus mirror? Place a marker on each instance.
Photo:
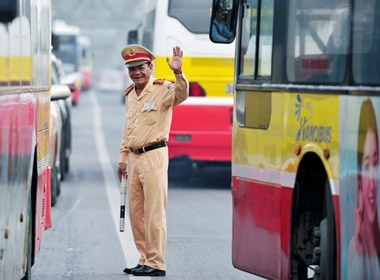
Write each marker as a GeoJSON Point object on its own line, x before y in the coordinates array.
{"type": "Point", "coordinates": [8, 10]}
{"type": "Point", "coordinates": [132, 37]}
{"type": "Point", "coordinates": [223, 21]}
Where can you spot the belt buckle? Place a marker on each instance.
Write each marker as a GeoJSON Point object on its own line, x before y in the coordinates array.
{"type": "Point", "coordinates": [143, 148]}
{"type": "Point", "coordinates": [135, 151]}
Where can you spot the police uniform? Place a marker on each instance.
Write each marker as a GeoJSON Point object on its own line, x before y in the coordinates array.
{"type": "Point", "coordinates": [144, 150]}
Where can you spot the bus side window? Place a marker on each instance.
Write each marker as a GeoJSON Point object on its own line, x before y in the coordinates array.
{"type": "Point", "coordinates": [266, 39]}
{"type": "Point", "coordinates": [250, 66]}
{"type": "Point", "coordinates": [248, 39]}
{"type": "Point", "coordinates": [366, 42]}
{"type": "Point", "coordinates": [318, 41]}
{"type": "Point", "coordinates": [8, 10]}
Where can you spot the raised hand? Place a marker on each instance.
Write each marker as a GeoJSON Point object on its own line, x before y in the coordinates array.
{"type": "Point", "coordinates": [176, 63]}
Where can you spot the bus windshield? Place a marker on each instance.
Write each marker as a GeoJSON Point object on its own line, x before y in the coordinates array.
{"type": "Point", "coordinates": [67, 52]}
{"type": "Point", "coordinates": [187, 11]}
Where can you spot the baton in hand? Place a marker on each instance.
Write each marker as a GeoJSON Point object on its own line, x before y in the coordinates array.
{"type": "Point", "coordinates": [123, 192]}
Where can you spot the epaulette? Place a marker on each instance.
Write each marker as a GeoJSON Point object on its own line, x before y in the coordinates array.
{"type": "Point", "coordinates": [129, 89]}
{"type": "Point", "coordinates": [158, 81]}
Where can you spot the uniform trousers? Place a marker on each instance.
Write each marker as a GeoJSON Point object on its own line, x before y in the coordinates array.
{"type": "Point", "coordinates": [147, 200]}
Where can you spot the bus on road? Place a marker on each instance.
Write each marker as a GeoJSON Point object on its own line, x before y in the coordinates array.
{"type": "Point", "coordinates": [75, 52]}
{"type": "Point", "coordinates": [25, 49]}
{"type": "Point", "coordinates": [201, 128]}
{"type": "Point", "coordinates": [305, 148]}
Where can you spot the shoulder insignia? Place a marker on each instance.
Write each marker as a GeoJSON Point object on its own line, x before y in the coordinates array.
{"type": "Point", "coordinates": [129, 89]}
{"type": "Point", "coordinates": [158, 81]}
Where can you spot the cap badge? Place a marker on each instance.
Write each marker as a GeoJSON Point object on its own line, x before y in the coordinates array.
{"type": "Point", "coordinates": [132, 52]}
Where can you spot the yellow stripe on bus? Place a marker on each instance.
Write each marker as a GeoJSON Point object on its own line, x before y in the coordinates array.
{"type": "Point", "coordinates": [214, 74]}
{"type": "Point", "coordinates": [19, 69]}
{"type": "Point", "coordinates": [4, 70]}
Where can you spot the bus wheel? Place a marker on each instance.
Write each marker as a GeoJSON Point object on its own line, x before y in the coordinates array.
{"type": "Point", "coordinates": [326, 259]}
{"type": "Point", "coordinates": [313, 240]}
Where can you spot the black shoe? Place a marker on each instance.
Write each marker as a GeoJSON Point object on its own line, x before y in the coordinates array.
{"type": "Point", "coordinates": [148, 271]}
{"type": "Point", "coordinates": [130, 270]}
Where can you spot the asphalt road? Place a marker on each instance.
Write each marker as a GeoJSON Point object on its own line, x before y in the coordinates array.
{"type": "Point", "coordinates": [85, 242]}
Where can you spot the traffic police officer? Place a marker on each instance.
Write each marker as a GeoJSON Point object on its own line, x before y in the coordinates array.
{"type": "Point", "coordinates": [144, 153]}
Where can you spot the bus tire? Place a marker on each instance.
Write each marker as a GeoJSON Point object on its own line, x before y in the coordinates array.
{"type": "Point", "coordinates": [327, 244]}
{"type": "Point", "coordinates": [313, 252]}
{"type": "Point", "coordinates": [324, 261]}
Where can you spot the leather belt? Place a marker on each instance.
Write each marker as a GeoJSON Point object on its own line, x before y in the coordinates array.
{"type": "Point", "coordinates": [142, 150]}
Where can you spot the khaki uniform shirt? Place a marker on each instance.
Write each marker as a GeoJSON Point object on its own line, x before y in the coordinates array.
{"type": "Point", "coordinates": [148, 116]}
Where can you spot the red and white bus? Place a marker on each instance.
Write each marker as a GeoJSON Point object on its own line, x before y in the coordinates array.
{"type": "Point", "coordinates": [25, 49]}
{"type": "Point", "coordinates": [305, 148]}
{"type": "Point", "coordinates": [202, 125]}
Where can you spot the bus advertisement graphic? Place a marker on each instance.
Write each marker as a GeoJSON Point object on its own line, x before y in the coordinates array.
{"type": "Point", "coordinates": [359, 194]}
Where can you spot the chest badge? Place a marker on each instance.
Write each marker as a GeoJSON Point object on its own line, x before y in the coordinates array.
{"type": "Point", "coordinates": [150, 105]}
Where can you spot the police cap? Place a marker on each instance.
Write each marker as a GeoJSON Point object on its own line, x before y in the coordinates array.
{"type": "Point", "coordinates": [135, 55]}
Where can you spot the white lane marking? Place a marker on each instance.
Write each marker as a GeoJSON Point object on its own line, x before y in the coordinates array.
{"type": "Point", "coordinates": [131, 255]}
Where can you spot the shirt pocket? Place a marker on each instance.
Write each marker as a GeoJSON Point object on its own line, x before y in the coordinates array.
{"type": "Point", "coordinates": [150, 116]}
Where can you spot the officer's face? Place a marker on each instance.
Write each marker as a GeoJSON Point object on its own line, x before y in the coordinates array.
{"type": "Point", "coordinates": [140, 75]}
